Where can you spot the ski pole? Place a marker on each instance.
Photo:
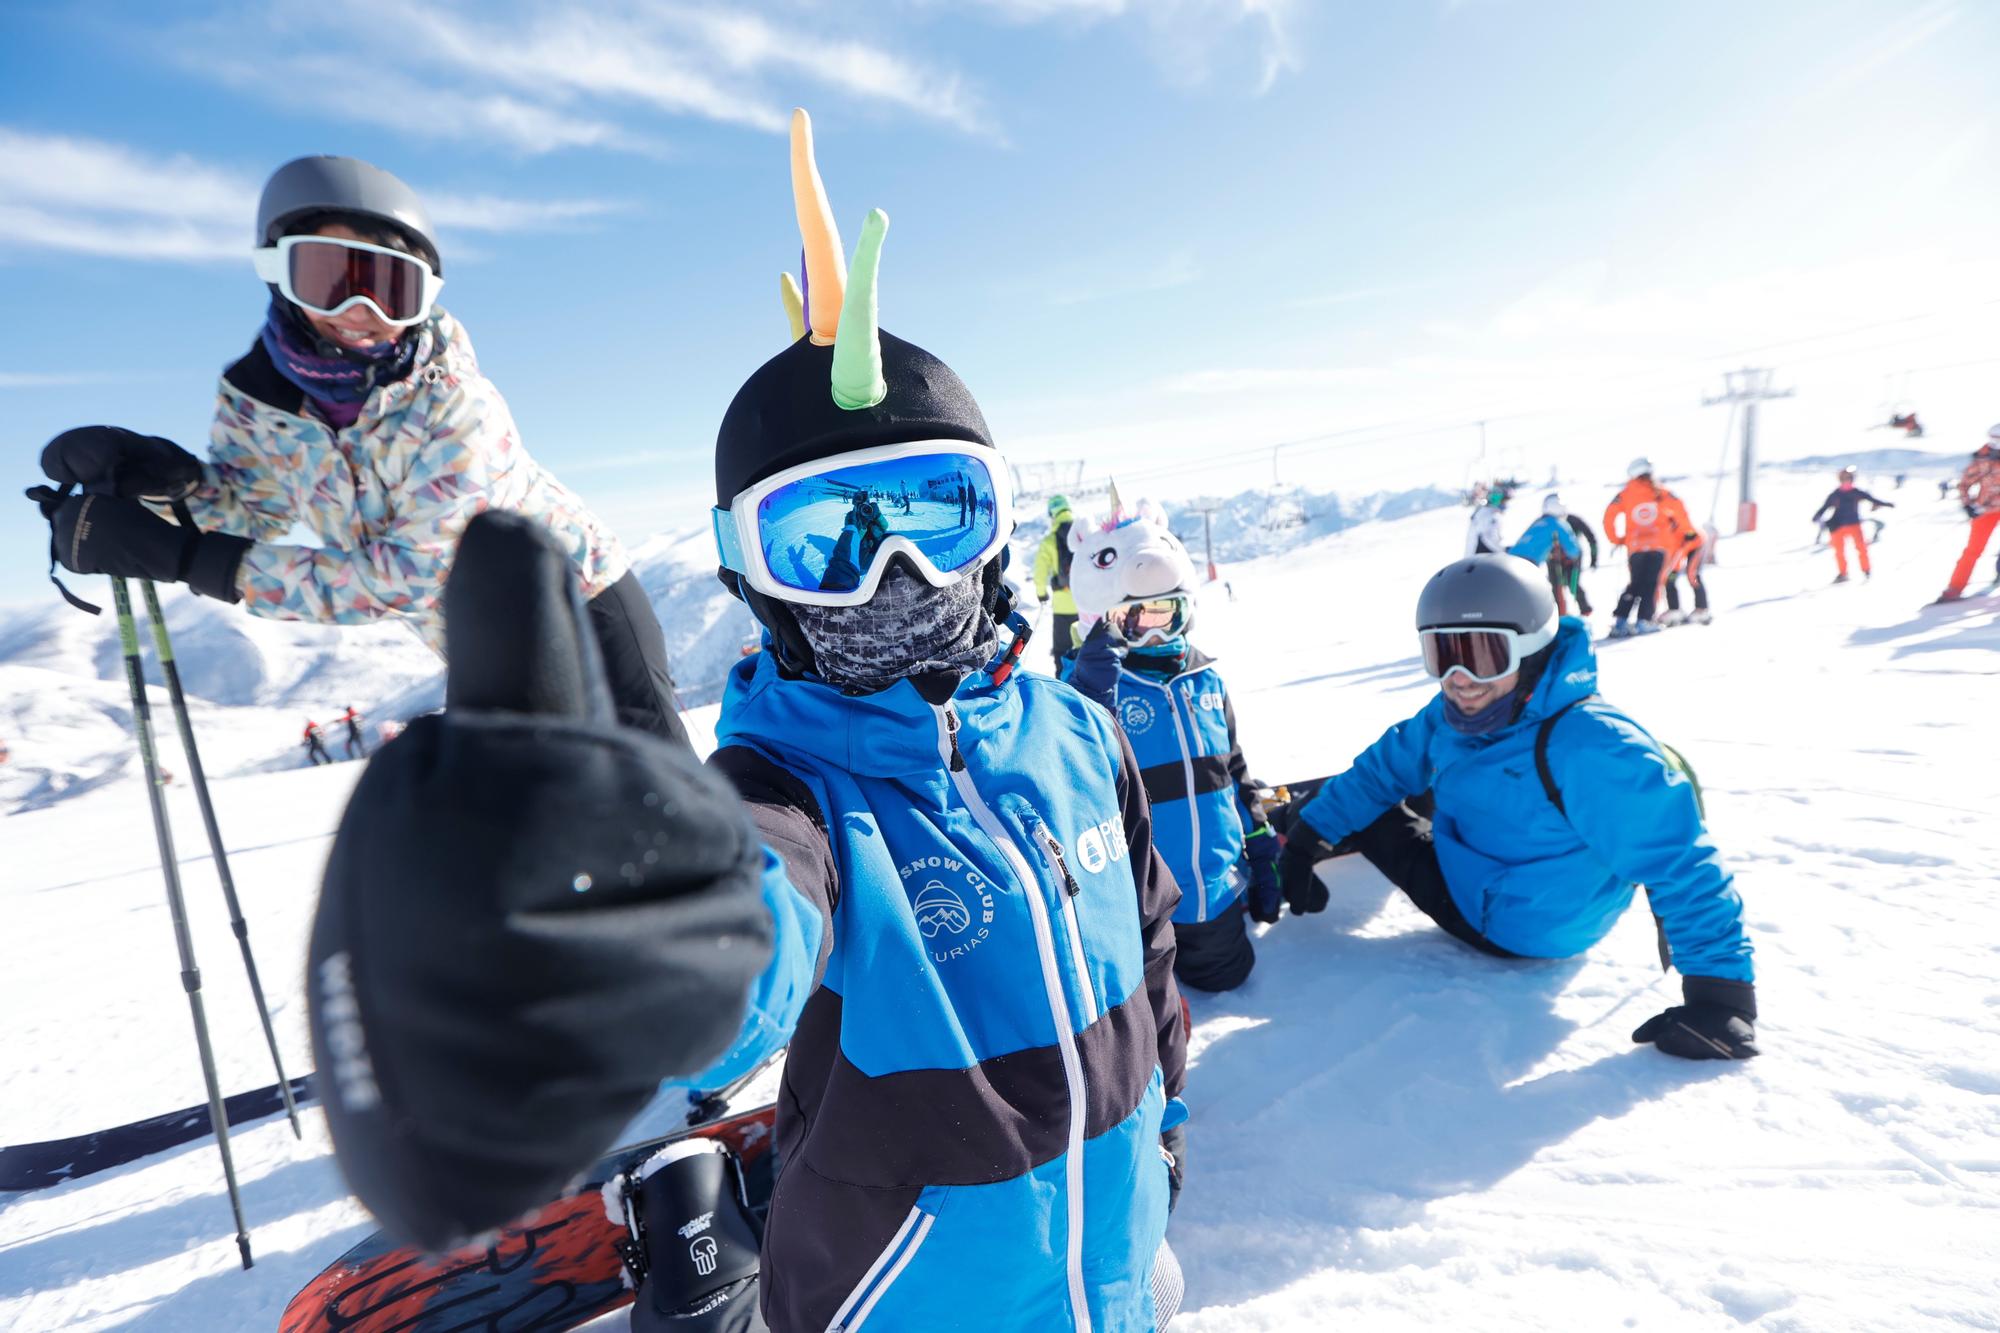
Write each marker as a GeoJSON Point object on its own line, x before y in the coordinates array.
{"type": "Point", "coordinates": [237, 924]}
{"type": "Point", "coordinates": [142, 724]}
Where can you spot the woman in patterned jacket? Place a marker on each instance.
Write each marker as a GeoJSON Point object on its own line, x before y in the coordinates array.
{"type": "Point", "coordinates": [360, 413]}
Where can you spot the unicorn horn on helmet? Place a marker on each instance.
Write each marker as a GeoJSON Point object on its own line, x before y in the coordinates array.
{"type": "Point", "coordinates": [819, 308]}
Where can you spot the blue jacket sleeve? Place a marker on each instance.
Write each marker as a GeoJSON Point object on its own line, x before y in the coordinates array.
{"type": "Point", "coordinates": [1567, 539]}
{"type": "Point", "coordinates": [801, 889]}
{"type": "Point", "coordinates": [778, 996]}
{"type": "Point", "coordinates": [1638, 814]}
{"type": "Point", "coordinates": [1394, 767]}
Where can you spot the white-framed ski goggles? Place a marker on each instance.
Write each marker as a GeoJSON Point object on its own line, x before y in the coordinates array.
{"type": "Point", "coordinates": [329, 274]}
{"type": "Point", "coordinates": [822, 533]}
{"type": "Point", "coordinates": [1144, 621]}
{"type": "Point", "coordinates": [1484, 652]}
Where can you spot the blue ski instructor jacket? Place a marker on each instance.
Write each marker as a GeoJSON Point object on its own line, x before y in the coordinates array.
{"type": "Point", "coordinates": [1544, 535]}
{"type": "Point", "coordinates": [1539, 881]}
{"type": "Point", "coordinates": [974, 971]}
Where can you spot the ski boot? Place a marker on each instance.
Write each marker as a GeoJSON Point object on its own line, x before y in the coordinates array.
{"type": "Point", "coordinates": [1620, 630]}
{"type": "Point", "coordinates": [1950, 595]}
{"type": "Point", "coordinates": [1668, 619]}
{"type": "Point", "coordinates": [1840, 578]}
{"type": "Point", "coordinates": [1647, 627]}
{"type": "Point", "coordinates": [692, 1241]}
{"type": "Point", "coordinates": [1702, 617]}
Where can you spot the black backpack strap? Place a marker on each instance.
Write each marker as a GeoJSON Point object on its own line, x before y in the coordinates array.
{"type": "Point", "coordinates": [1542, 769]}
{"type": "Point", "coordinates": [1554, 793]}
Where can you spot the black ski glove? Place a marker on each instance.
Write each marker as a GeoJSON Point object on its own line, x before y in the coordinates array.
{"type": "Point", "coordinates": [530, 916]}
{"type": "Point", "coordinates": [1173, 1147]}
{"type": "Point", "coordinates": [1260, 856]}
{"type": "Point", "coordinates": [1717, 1022]}
{"type": "Point", "coordinates": [1298, 868]}
{"type": "Point", "coordinates": [1095, 672]}
{"type": "Point", "coordinates": [115, 461]}
{"type": "Point", "coordinates": [102, 534]}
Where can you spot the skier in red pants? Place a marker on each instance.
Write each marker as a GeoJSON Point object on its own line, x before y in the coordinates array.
{"type": "Point", "coordinates": [1842, 512]}
{"type": "Point", "coordinates": [1979, 492]}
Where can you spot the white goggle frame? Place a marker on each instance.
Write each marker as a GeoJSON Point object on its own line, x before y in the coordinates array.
{"type": "Point", "coordinates": [274, 266]}
{"type": "Point", "coordinates": [737, 543]}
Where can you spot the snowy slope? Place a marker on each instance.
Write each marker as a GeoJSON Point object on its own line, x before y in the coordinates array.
{"type": "Point", "coordinates": [1390, 1131]}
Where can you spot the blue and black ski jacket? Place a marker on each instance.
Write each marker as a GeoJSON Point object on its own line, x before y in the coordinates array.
{"type": "Point", "coordinates": [1545, 534]}
{"type": "Point", "coordinates": [1183, 731]}
{"type": "Point", "coordinates": [974, 968]}
{"type": "Point", "coordinates": [1536, 880]}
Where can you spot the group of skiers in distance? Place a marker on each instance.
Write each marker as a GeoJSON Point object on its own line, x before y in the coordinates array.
{"type": "Point", "coordinates": [315, 739]}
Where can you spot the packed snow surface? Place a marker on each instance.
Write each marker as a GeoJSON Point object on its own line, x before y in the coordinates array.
{"type": "Point", "coordinates": [1391, 1132]}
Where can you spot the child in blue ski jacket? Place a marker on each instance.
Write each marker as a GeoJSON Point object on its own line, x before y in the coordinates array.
{"type": "Point", "coordinates": [1548, 807]}
{"type": "Point", "coordinates": [1546, 534]}
{"type": "Point", "coordinates": [936, 888]}
{"type": "Point", "coordinates": [1168, 697]}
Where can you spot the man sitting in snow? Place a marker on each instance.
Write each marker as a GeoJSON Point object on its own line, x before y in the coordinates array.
{"type": "Point", "coordinates": [1546, 806]}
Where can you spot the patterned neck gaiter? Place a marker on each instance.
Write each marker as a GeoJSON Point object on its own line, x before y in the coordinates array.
{"type": "Point", "coordinates": [338, 379]}
{"type": "Point", "coordinates": [906, 629]}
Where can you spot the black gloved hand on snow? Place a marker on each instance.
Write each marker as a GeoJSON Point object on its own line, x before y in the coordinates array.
{"type": "Point", "coordinates": [529, 918]}
{"type": "Point", "coordinates": [114, 461]}
{"type": "Point", "coordinates": [102, 534]}
{"type": "Point", "coordinates": [1716, 1022]}
{"type": "Point", "coordinates": [1298, 867]}
{"type": "Point", "coordinates": [1260, 855]}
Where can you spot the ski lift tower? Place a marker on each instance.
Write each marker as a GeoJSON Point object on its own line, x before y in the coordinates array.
{"type": "Point", "coordinates": [1747, 387]}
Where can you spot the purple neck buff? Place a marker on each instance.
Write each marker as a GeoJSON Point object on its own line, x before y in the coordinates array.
{"type": "Point", "coordinates": [337, 380]}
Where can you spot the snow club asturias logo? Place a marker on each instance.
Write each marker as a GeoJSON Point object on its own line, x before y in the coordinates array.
{"type": "Point", "coordinates": [1136, 714]}
{"type": "Point", "coordinates": [953, 904]}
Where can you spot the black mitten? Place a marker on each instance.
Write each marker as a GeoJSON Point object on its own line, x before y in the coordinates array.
{"type": "Point", "coordinates": [116, 461]}
{"type": "Point", "coordinates": [530, 916]}
{"type": "Point", "coordinates": [1717, 1022]}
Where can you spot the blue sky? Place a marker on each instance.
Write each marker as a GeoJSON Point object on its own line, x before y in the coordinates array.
{"type": "Point", "coordinates": [1160, 237]}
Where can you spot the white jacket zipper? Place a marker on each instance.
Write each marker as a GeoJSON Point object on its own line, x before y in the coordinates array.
{"type": "Point", "coordinates": [1194, 808]}
{"type": "Point", "coordinates": [848, 1318]}
{"type": "Point", "coordinates": [1071, 926]}
{"type": "Point", "coordinates": [1045, 945]}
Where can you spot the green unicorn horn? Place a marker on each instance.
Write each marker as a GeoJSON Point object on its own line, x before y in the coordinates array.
{"type": "Point", "coordinates": [857, 346]}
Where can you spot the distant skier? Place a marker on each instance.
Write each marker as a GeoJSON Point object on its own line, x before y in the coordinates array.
{"type": "Point", "coordinates": [938, 886]}
{"type": "Point", "coordinates": [1572, 570]}
{"type": "Point", "coordinates": [357, 744]}
{"type": "Point", "coordinates": [1548, 807]}
{"type": "Point", "coordinates": [1907, 423]}
{"type": "Point", "coordinates": [1551, 543]}
{"type": "Point", "coordinates": [1052, 565]}
{"type": "Point", "coordinates": [1482, 534]}
{"type": "Point", "coordinates": [1649, 521]}
{"type": "Point", "coordinates": [1170, 700]}
{"type": "Point", "coordinates": [315, 746]}
{"type": "Point", "coordinates": [1687, 557]}
{"type": "Point", "coordinates": [1979, 492]}
{"type": "Point", "coordinates": [1841, 513]}
{"type": "Point", "coordinates": [360, 413]}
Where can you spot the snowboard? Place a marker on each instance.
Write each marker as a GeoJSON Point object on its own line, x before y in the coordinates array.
{"type": "Point", "coordinates": [1283, 802]}
{"type": "Point", "coordinates": [33, 1166]}
{"type": "Point", "coordinates": [556, 1268]}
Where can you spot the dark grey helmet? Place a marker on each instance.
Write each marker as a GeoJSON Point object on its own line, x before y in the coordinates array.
{"type": "Point", "coordinates": [1496, 590]}
{"type": "Point", "coordinates": [344, 185]}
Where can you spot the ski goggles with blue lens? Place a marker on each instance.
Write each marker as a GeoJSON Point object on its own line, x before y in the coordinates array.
{"type": "Point", "coordinates": [822, 533]}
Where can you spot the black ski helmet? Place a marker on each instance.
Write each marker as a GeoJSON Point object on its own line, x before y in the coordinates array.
{"type": "Point", "coordinates": [1498, 591]}
{"type": "Point", "coordinates": [344, 185]}
{"type": "Point", "coordinates": [810, 401]}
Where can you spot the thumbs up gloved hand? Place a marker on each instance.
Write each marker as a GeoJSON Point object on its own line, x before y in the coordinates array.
{"type": "Point", "coordinates": [529, 918]}
{"type": "Point", "coordinates": [1094, 674]}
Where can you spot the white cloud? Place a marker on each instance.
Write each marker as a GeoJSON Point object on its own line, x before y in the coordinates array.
{"type": "Point", "coordinates": [535, 76]}
{"type": "Point", "coordinates": [86, 196]}
{"type": "Point", "coordinates": [1186, 37]}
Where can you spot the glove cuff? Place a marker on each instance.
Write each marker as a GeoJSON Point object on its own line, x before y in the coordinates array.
{"type": "Point", "coordinates": [1737, 996]}
{"type": "Point", "coordinates": [212, 563]}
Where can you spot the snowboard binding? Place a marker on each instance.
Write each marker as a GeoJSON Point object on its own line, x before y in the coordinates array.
{"type": "Point", "coordinates": [691, 1240]}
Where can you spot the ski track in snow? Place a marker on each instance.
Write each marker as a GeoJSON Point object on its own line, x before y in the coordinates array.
{"type": "Point", "coordinates": [1390, 1132]}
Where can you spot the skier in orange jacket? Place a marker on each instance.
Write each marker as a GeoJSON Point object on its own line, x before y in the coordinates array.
{"type": "Point", "coordinates": [1979, 492]}
{"type": "Point", "coordinates": [1649, 521]}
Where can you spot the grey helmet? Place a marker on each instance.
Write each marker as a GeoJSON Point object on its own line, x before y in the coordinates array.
{"type": "Point", "coordinates": [1489, 591]}
{"type": "Point", "coordinates": [344, 185]}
